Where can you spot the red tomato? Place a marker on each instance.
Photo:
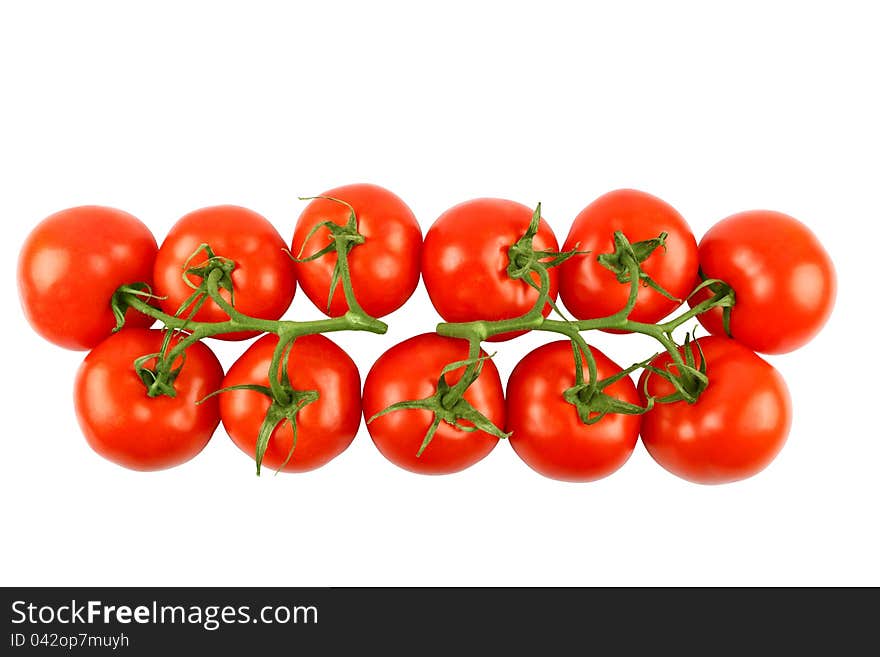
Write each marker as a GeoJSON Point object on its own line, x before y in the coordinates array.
{"type": "Point", "coordinates": [736, 427]}
{"type": "Point", "coordinates": [410, 370]}
{"type": "Point", "coordinates": [546, 431]}
{"type": "Point", "coordinates": [590, 291]}
{"type": "Point", "coordinates": [325, 427]}
{"type": "Point", "coordinates": [263, 279]}
{"type": "Point", "coordinates": [465, 259]}
{"type": "Point", "coordinates": [126, 426]}
{"type": "Point", "coordinates": [384, 268]}
{"type": "Point", "coordinates": [782, 277]}
{"type": "Point", "coordinates": [70, 266]}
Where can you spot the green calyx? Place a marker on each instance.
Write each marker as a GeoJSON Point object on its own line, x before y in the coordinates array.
{"type": "Point", "coordinates": [589, 396]}
{"type": "Point", "coordinates": [524, 260]}
{"type": "Point", "coordinates": [593, 404]}
{"type": "Point", "coordinates": [689, 378]}
{"type": "Point", "coordinates": [159, 379]}
{"type": "Point", "coordinates": [286, 402]}
{"type": "Point", "coordinates": [215, 271]}
{"type": "Point", "coordinates": [343, 239]}
{"type": "Point", "coordinates": [619, 262]}
{"type": "Point", "coordinates": [449, 406]}
{"type": "Point", "coordinates": [277, 414]}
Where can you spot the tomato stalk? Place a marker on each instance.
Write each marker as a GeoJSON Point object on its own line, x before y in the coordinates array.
{"type": "Point", "coordinates": [344, 239]}
{"type": "Point", "coordinates": [448, 404]}
{"type": "Point", "coordinates": [587, 396]}
{"type": "Point", "coordinates": [470, 374]}
{"type": "Point", "coordinates": [534, 320]}
{"type": "Point", "coordinates": [353, 320]}
{"type": "Point", "coordinates": [216, 274]}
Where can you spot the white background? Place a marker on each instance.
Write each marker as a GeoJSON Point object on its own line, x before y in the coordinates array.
{"type": "Point", "coordinates": [159, 108]}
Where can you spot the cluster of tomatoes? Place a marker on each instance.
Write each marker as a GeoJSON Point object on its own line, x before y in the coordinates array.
{"type": "Point", "coordinates": [73, 263]}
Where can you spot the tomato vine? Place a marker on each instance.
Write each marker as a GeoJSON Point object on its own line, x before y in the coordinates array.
{"type": "Point", "coordinates": [447, 404]}
{"type": "Point", "coordinates": [434, 403]}
{"type": "Point", "coordinates": [587, 396]}
{"type": "Point", "coordinates": [215, 274]}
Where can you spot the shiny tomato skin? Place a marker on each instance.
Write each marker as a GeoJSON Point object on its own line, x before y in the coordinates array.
{"type": "Point", "coordinates": [465, 259]}
{"type": "Point", "coordinates": [733, 431]}
{"type": "Point", "coordinates": [590, 291]}
{"type": "Point", "coordinates": [410, 370]}
{"type": "Point", "coordinates": [124, 425]}
{"type": "Point", "coordinates": [546, 431]}
{"type": "Point", "coordinates": [71, 264]}
{"type": "Point", "coordinates": [325, 427]}
{"type": "Point", "coordinates": [782, 276]}
{"type": "Point", "coordinates": [263, 279]}
{"type": "Point", "coordinates": [384, 268]}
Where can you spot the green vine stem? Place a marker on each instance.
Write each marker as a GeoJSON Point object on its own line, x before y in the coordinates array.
{"type": "Point", "coordinates": [587, 396]}
{"type": "Point", "coordinates": [534, 320]}
{"type": "Point", "coordinates": [287, 330]}
{"type": "Point", "coordinates": [447, 404]}
{"type": "Point", "coordinates": [134, 296]}
{"type": "Point", "coordinates": [468, 376]}
{"type": "Point", "coordinates": [628, 258]}
{"type": "Point", "coordinates": [182, 331]}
